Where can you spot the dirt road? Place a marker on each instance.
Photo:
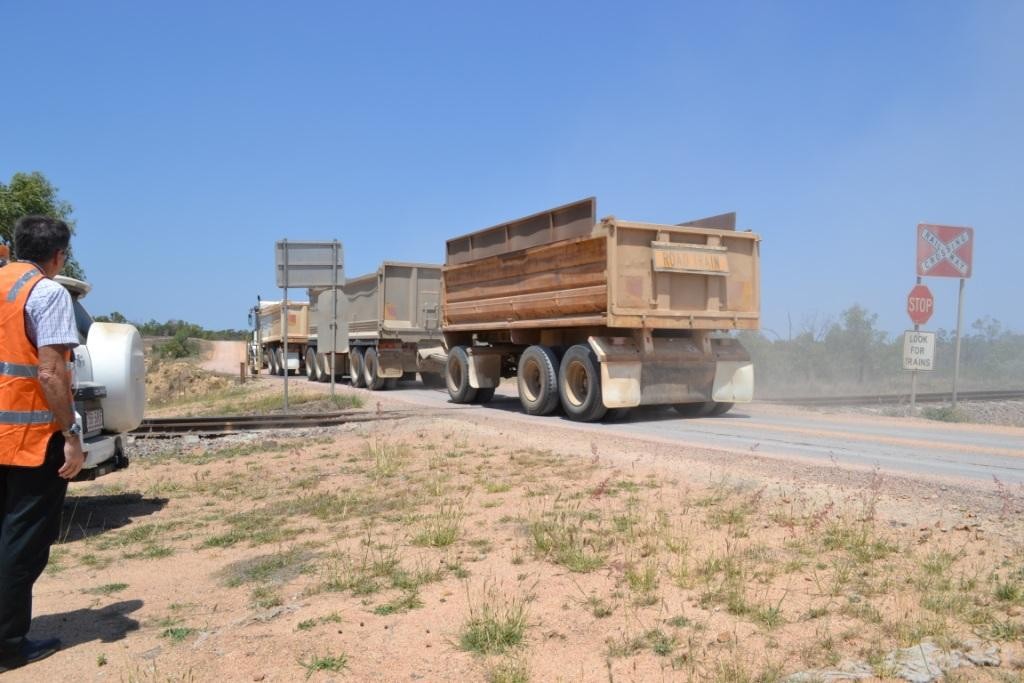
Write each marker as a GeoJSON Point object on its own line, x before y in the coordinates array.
{"type": "Point", "coordinates": [222, 357]}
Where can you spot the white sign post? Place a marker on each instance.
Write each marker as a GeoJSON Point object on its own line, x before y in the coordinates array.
{"type": "Point", "coordinates": [308, 264]}
{"type": "Point", "coordinates": [918, 350]}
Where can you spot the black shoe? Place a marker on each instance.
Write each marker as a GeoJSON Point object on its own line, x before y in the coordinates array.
{"type": "Point", "coordinates": [30, 651]}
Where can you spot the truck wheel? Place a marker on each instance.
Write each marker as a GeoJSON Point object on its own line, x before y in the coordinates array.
{"type": "Point", "coordinates": [355, 367]}
{"type": "Point", "coordinates": [282, 367]}
{"type": "Point", "coordinates": [272, 361]}
{"type": "Point", "coordinates": [312, 371]}
{"type": "Point", "coordinates": [720, 409]}
{"type": "Point", "coordinates": [579, 385]}
{"type": "Point", "coordinates": [694, 409]}
{"type": "Point", "coordinates": [537, 377]}
{"type": "Point", "coordinates": [457, 376]}
{"type": "Point", "coordinates": [371, 378]}
{"type": "Point", "coordinates": [323, 374]}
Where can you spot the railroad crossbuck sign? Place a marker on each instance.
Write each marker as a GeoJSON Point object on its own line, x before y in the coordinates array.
{"type": "Point", "coordinates": [944, 250]}
{"type": "Point", "coordinates": [918, 350]}
{"type": "Point", "coordinates": [920, 304]}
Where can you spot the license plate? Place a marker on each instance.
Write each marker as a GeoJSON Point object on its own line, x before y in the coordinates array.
{"type": "Point", "coordinates": [93, 420]}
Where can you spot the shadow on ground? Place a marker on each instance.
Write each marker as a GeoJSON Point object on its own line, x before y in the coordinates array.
{"type": "Point", "coordinates": [107, 624]}
{"type": "Point", "coordinates": [640, 414]}
{"type": "Point", "coordinates": [86, 516]}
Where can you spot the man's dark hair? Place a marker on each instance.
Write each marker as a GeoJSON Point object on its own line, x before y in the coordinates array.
{"type": "Point", "coordinates": [38, 238]}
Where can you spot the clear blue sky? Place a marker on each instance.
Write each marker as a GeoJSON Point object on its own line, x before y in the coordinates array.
{"type": "Point", "coordinates": [189, 136]}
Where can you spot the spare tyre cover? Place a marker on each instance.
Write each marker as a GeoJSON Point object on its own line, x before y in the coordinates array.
{"type": "Point", "coordinates": [119, 365]}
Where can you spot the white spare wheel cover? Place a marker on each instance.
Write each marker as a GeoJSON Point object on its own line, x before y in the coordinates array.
{"type": "Point", "coordinates": [119, 365]}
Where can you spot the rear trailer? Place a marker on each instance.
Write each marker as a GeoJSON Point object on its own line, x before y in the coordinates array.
{"type": "Point", "coordinates": [596, 315]}
{"type": "Point", "coordinates": [393, 325]}
{"type": "Point", "coordinates": [267, 348]}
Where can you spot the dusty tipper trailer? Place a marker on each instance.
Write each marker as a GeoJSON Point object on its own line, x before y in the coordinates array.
{"type": "Point", "coordinates": [598, 315]}
{"type": "Point", "coordinates": [394, 326]}
{"type": "Point", "coordinates": [266, 349]}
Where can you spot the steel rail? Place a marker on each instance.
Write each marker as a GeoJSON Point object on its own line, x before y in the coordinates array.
{"type": "Point", "coordinates": [896, 399]}
{"type": "Point", "coordinates": [157, 427]}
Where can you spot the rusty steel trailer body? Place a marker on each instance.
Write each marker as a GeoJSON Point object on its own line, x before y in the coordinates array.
{"type": "Point", "coordinates": [393, 325]}
{"type": "Point", "coordinates": [606, 314]}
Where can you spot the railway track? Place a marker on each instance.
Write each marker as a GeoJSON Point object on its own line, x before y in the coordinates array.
{"type": "Point", "coordinates": [214, 425]}
{"type": "Point", "coordinates": [896, 399]}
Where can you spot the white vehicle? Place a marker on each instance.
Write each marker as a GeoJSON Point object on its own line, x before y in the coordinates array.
{"type": "Point", "coordinates": [109, 385]}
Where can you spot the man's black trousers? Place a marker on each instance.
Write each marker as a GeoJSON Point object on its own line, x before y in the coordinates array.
{"type": "Point", "coordinates": [31, 499]}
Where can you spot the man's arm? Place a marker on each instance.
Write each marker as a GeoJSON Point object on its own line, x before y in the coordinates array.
{"type": "Point", "coordinates": [56, 384]}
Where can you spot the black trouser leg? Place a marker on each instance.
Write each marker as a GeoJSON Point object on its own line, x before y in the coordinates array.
{"type": "Point", "coordinates": [31, 499]}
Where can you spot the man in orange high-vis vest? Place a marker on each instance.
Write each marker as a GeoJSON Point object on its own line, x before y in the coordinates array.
{"type": "Point", "coordinates": [40, 441]}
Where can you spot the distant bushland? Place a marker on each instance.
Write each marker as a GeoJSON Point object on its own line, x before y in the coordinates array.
{"type": "Point", "coordinates": [852, 356]}
{"type": "Point", "coordinates": [180, 333]}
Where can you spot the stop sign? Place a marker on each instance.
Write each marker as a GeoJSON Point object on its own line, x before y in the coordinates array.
{"type": "Point", "coordinates": [920, 304]}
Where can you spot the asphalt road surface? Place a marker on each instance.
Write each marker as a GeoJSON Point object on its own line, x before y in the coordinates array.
{"type": "Point", "coordinates": [894, 445]}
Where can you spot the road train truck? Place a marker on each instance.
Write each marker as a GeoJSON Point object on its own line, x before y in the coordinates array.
{"type": "Point", "coordinates": [267, 345]}
{"type": "Point", "coordinates": [388, 327]}
{"type": "Point", "coordinates": [596, 315]}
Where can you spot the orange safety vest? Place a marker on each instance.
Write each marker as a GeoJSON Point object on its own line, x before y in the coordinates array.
{"type": "Point", "coordinates": [26, 423]}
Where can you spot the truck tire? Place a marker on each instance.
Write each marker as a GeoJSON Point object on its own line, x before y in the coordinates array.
{"type": "Point", "coordinates": [312, 371]}
{"type": "Point", "coordinates": [457, 376]}
{"type": "Point", "coordinates": [325, 375]}
{"type": "Point", "coordinates": [355, 367]}
{"type": "Point", "coordinates": [579, 385]}
{"type": "Point", "coordinates": [282, 367]}
{"type": "Point", "coordinates": [537, 378]}
{"type": "Point", "coordinates": [371, 378]}
{"type": "Point", "coordinates": [272, 361]}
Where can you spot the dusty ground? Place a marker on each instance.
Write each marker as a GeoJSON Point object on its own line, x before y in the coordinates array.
{"type": "Point", "coordinates": [450, 549]}
{"type": "Point", "coordinates": [222, 356]}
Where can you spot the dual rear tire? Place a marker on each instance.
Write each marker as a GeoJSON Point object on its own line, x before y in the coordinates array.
{"type": "Point", "coordinates": [371, 377]}
{"type": "Point", "coordinates": [312, 367]}
{"type": "Point", "coordinates": [457, 379]}
{"type": "Point", "coordinates": [355, 368]}
{"type": "Point", "coordinates": [537, 379]}
{"type": "Point", "coordinates": [579, 384]}
{"type": "Point", "coordinates": [544, 382]}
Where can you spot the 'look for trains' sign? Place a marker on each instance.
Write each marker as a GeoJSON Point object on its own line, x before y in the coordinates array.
{"type": "Point", "coordinates": [944, 250]}
{"type": "Point", "coordinates": [918, 350]}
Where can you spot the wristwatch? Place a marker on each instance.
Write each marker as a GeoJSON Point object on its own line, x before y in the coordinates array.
{"type": "Point", "coordinates": [75, 430]}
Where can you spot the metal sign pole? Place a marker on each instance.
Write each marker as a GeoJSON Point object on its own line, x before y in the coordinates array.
{"type": "Point", "coordinates": [334, 318]}
{"type": "Point", "coordinates": [913, 384]}
{"type": "Point", "coordinates": [959, 325]}
{"type": "Point", "coordinates": [913, 376]}
{"type": "Point", "coordinates": [284, 324]}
